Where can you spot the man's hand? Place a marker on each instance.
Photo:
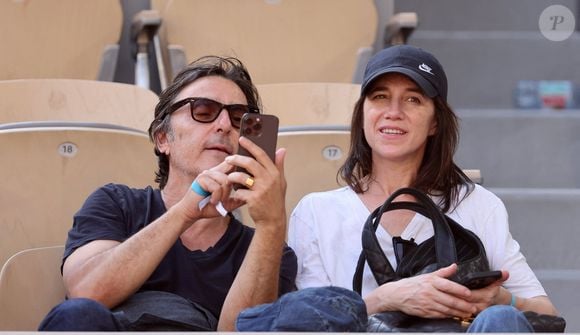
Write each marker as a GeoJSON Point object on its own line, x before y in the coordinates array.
{"type": "Point", "coordinates": [214, 181]}
{"type": "Point", "coordinates": [266, 197]}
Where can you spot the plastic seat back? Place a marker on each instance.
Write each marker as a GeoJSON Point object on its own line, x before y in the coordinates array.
{"type": "Point", "coordinates": [279, 41]}
{"type": "Point", "coordinates": [310, 104]}
{"type": "Point", "coordinates": [49, 171]}
{"type": "Point", "coordinates": [311, 164]}
{"type": "Point", "coordinates": [76, 101]}
{"type": "Point", "coordinates": [30, 285]}
{"type": "Point", "coordinates": [59, 39]}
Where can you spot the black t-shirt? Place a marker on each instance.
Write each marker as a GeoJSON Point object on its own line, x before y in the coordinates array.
{"type": "Point", "coordinates": [116, 212]}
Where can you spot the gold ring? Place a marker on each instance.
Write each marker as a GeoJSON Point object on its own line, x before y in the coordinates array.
{"type": "Point", "coordinates": [249, 182]}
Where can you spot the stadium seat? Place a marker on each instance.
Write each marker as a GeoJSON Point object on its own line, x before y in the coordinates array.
{"type": "Point", "coordinates": [400, 27]}
{"type": "Point", "coordinates": [474, 175]}
{"type": "Point", "coordinates": [49, 170]}
{"type": "Point", "coordinates": [65, 100]}
{"type": "Point", "coordinates": [313, 157]}
{"type": "Point", "coordinates": [279, 41]}
{"type": "Point", "coordinates": [310, 103]}
{"type": "Point", "coordinates": [30, 285]}
{"type": "Point", "coordinates": [311, 164]}
{"type": "Point", "coordinates": [312, 161]}
{"type": "Point", "coordinates": [59, 39]}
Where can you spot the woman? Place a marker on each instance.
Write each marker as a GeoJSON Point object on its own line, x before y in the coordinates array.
{"type": "Point", "coordinates": [404, 134]}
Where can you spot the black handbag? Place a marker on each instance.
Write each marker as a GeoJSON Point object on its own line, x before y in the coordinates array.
{"type": "Point", "coordinates": [399, 322]}
{"type": "Point", "coordinates": [451, 243]}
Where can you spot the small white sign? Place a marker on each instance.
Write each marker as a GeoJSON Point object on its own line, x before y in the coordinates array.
{"type": "Point", "coordinates": [332, 152]}
{"type": "Point", "coordinates": [67, 149]}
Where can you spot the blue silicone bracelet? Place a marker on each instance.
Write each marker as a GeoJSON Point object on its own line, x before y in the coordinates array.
{"type": "Point", "coordinates": [196, 187]}
{"type": "Point", "coordinates": [513, 302]}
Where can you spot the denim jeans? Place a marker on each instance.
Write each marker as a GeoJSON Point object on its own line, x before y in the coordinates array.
{"type": "Point", "coordinates": [333, 309]}
{"type": "Point", "coordinates": [80, 314]}
{"type": "Point", "coordinates": [150, 310]}
{"type": "Point", "coordinates": [320, 309]}
{"type": "Point", "coordinates": [500, 319]}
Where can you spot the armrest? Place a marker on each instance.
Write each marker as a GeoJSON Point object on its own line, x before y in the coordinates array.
{"type": "Point", "coordinates": [399, 27]}
{"type": "Point", "coordinates": [144, 27]}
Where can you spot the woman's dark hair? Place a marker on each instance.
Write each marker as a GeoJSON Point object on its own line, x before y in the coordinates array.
{"type": "Point", "coordinates": [438, 175]}
{"type": "Point", "coordinates": [228, 67]}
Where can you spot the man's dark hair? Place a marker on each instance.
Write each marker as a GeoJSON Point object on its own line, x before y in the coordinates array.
{"type": "Point", "coordinates": [227, 67]}
{"type": "Point", "coordinates": [438, 174]}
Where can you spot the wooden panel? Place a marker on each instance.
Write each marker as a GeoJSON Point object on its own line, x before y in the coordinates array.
{"type": "Point", "coordinates": [301, 104]}
{"type": "Point", "coordinates": [76, 100]}
{"type": "Point", "coordinates": [56, 39]}
{"type": "Point", "coordinates": [30, 285]}
{"type": "Point", "coordinates": [48, 173]}
{"type": "Point", "coordinates": [279, 40]}
{"type": "Point", "coordinates": [311, 164]}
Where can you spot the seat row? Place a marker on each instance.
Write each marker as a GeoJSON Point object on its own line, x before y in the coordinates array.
{"type": "Point", "coordinates": [68, 120]}
{"type": "Point", "coordinates": [53, 163]}
{"type": "Point", "coordinates": [60, 139]}
{"type": "Point", "coordinates": [130, 106]}
{"type": "Point", "coordinates": [279, 41]}
{"type": "Point", "coordinates": [533, 149]}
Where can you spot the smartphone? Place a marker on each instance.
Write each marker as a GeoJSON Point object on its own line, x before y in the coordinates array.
{"type": "Point", "coordinates": [262, 129]}
{"type": "Point", "coordinates": [478, 280]}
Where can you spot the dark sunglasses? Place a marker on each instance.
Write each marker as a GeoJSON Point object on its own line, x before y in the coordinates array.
{"type": "Point", "coordinates": [206, 110]}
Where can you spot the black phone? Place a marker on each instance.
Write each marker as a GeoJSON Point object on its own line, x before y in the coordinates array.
{"type": "Point", "coordinates": [262, 129]}
{"type": "Point", "coordinates": [478, 280]}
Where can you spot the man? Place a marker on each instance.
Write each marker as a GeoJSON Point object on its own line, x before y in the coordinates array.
{"type": "Point", "coordinates": [158, 259]}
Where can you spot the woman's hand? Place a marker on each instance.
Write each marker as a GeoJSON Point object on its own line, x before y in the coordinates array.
{"type": "Point", "coordinates": [493, 294]}
{"type": "Point", "coordinates": [429, 295]}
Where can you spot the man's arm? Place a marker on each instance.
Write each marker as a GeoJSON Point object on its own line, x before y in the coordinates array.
{"type": "Point", "coordinates": [110, 271]}
{"type": "Point", "coordinates": [257, 280]}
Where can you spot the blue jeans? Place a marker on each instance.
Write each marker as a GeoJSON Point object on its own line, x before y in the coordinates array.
{"type": "Point", "coordinates": [150, 310]}
{"type": "Point", "coordinates": [80, 315]}
{"type": "Point", "coordinates": [320, 309]}
{"type": "Point", "coordinates": [500, 319]}
{"type": "Point", "coordinates": [334, 309]}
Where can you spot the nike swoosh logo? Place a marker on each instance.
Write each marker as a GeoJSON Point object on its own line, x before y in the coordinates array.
{"type": "Point", "coordinates": [425, 68]}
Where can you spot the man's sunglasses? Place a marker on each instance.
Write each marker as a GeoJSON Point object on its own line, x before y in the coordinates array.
{"type": "Point", "coordinates": [206, 110]}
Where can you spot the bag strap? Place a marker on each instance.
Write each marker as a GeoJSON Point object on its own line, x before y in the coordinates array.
{"type": "Point", "coordinates": [372, 252]}
{"type": "Point", "coordinates": [357, 278]}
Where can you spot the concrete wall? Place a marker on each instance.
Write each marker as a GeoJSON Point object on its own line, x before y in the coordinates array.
{"type": "Point", "coordinates": [486, 47]}
{"type": "Point", "coordinates": [546, 223]}
{"type": "Point", "coordinates": [531, 160]}
{"type": "Point", "coordinates": [515, 148]}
